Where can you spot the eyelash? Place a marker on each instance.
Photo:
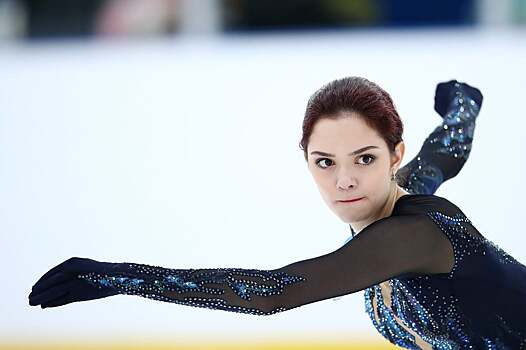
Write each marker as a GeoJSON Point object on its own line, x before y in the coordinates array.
{"type": "Point", "coordinates": [363, 155]}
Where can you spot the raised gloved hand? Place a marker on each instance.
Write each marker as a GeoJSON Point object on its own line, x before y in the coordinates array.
{"type": "Point", "coordinates": [61, 285]}
{"type": "Point", "coordinates": [445, 95]}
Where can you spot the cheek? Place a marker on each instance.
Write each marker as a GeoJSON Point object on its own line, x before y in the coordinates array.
{"type": "Point", "coordinates": [325, 185]}
{"type": "Point", "coordinates": [377, 174]}
{"type": "Point", "coordinates": [377, 183]}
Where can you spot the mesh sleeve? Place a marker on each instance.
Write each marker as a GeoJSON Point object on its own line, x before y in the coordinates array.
{"type": "Point", "coordinates": [390, 247]}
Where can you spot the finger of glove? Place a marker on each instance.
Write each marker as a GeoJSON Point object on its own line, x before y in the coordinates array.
{"type": "Point", "coordinates": [74, 264]}
{"type": "Point", "coordinates": [51, 293]}
{"type": "Point", "coordinates": [79, 292]}
{"type": "Point", "coordinates": [448, 87]}
{"type": "Point", "coordinates": [51, 272]}
{"type": "Point", "coordinates": [444, 90]}
{"type": "Point", "coordinates": [475, 94]}
{"type": "Point", "coordinates": [442, 96]}
{"type": "Point", "coordinates": [62, 300]}
{"type": "Point", "coordinates": [50, 282]}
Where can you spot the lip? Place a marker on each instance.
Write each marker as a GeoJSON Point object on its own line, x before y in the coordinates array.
{"type": "Point", "coordinates": [351, 200]}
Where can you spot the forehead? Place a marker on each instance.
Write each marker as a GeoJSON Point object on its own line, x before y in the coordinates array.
{"type": "Point", "coordinates": [348, 131]}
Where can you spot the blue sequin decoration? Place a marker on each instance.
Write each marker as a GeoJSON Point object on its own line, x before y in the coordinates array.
{"type": "Point", "coordinates": [160, 283]}
{"type": "Point", "coordinates": [459, 125]}
{"type": "Point", "coordinates": [453, 138]}
{"type": "Point", "coordinates": [428, 307]}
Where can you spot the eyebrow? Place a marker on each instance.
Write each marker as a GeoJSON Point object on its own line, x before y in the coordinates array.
{"type": "Point", "coordinates": [360, 150]}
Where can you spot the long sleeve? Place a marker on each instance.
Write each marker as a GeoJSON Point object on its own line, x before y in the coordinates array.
{"type": "Point", "coordinates": [390, 247]}
{"type": "Point", "coordinates": [447, 148]}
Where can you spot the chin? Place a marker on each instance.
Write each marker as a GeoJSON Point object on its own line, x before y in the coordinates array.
{"type": "Point", "coordinates": [347, 221]}
{"type": "Point", "coordinates": [350, 217]}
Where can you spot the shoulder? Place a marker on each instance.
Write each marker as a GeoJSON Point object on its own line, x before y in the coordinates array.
{"type": "Point", "coordinates": [412, 239]}
{"type": "Point", "coordinates": [414, 204]}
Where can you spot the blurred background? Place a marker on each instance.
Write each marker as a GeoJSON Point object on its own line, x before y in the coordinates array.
{"type": "Point", "coordinates": [52, 19]}
{"type": "Point", "coordinates": [117, 118]}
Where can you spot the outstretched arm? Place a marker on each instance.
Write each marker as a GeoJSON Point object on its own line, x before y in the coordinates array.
{"type": "Point", "coordinates": [375, 256]}
{"type": "Point", "coordinates": [447, 148]}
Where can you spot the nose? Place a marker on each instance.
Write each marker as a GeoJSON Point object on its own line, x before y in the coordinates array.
{"type": "Point", "coordinates": [345, 181]}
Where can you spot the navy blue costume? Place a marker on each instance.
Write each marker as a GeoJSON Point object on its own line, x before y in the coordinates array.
{"type": "Point", "coordinates": [479, 304]}
{"type": "Point", "coordinates": [430, 279]}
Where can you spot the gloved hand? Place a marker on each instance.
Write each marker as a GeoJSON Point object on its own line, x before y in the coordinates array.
{"type": "Point", "coordinates": [445, 94]}
{"type": "Point", "coordinates": [61, 285]}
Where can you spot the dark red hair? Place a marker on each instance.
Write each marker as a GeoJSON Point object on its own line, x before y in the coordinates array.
{"type": "Point", "coordinates": [354, 94]}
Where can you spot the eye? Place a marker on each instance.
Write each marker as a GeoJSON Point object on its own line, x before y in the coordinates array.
{"type": "Point", "coordinates": [370, 156]}
{"type": "Point", "coordinates": [318, 161]}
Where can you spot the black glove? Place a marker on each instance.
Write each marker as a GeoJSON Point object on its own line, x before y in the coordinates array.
{"type": "Point", "coordinates": [61, 285]}
{"type": "Point", "coordinates": [445, 93]}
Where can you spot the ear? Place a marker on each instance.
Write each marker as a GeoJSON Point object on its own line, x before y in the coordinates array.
{"type": "Point", "coordinates": [396, 159]}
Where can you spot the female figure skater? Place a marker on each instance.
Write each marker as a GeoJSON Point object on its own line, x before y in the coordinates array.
{"type": "Point", "coordinates": [431, 280]}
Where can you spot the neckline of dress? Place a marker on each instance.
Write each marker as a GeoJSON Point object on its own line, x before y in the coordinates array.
{"type": "Point", "coordinates": [400, 199]}
{"type": "Point", "coordinates": [407, 197]}
{"type": "Point", "coordinates": [411, 195]}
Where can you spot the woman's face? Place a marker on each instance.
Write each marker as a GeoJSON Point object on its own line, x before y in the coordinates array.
{"type": "Point", "coordinates": [349, 160]}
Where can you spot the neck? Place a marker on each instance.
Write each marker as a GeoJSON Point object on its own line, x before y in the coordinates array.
{"type": "Point", "coordinates": [384, 212]}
